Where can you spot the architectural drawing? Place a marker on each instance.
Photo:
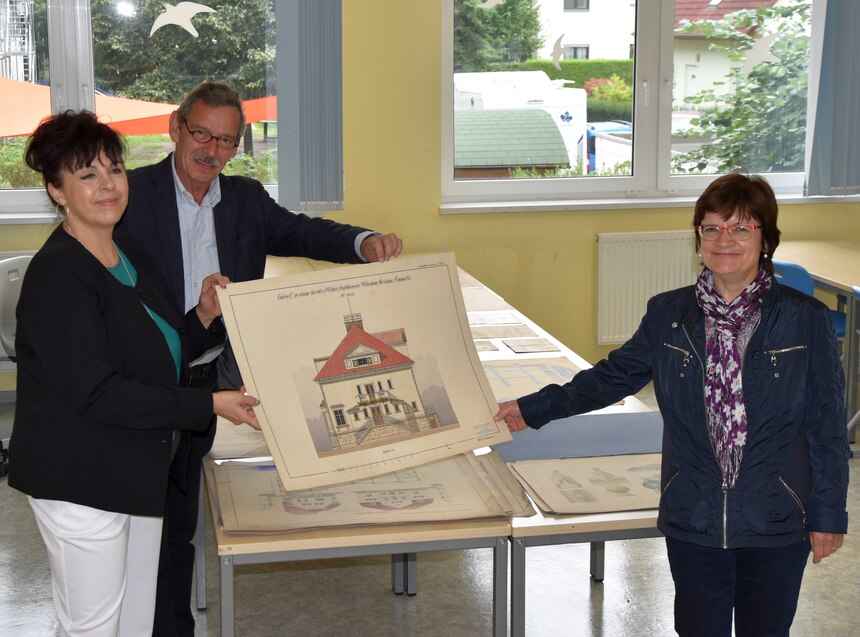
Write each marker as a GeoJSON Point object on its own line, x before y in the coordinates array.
{"type": "Point", "coordinates": [369, 392]}
{"type": "Point", "coordinates": [592, 485]}
{"type": "Point", "coordinates": [362, 369]}
{"type": "Point", "coordinates": [512, 379]}
{"type": "Point", "coordinates": [252, 498]}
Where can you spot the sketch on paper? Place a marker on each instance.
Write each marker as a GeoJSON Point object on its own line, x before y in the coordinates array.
{"type": "Point", "coordinates": [251, 497]}
{"type": "Point", "coordinates": [592, 485]}
{"type": "Point", "coordinates": [512, 379]}
{"type": "Point", "coordinates": [362, 369]}
{"type": "Point", "coordinates": [370, 395]}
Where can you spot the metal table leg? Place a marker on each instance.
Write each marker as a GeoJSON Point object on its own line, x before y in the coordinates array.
{"type": "Point", "coordinates": [398, 573]}
{"type": "Point", "coordinates": [518, 587]}
{"type": "Point", "coordinates": [200, 548]}
{"type": "Point", "coordinates": [598, 559]}
{"type": "Point", "coordinates": [411, 574]}
{"type": "Point", "coordinates": [500, 587]}
{"type": "Point", "coordinates": [228, 628]}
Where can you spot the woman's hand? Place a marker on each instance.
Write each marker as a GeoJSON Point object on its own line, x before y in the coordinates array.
{"type": "Point", "coordinates": [208, 308]}
{"type": "Point", "coordinates": [380, 248]}
{"type": "Point", "coordinates": [509, 411]}
{"type": "Point", "coordinates": [236, 406]}
{"type": "Point", "coordinates": [824, 544]}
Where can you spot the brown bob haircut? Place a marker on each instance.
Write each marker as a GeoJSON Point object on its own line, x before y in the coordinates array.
{"type": "Point", "coordinates": [752, 198]}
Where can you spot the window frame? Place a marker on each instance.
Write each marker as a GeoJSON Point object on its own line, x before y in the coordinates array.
{"type": "Point", "coordinates": [651, 185]}
{"type": "Point", "coordinates": [71, 68]}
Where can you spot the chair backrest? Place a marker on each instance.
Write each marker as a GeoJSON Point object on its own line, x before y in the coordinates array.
{"type": "Point", "coordinates": [794, 276]}
{"type": "Point", "coordinates": [11, 276]}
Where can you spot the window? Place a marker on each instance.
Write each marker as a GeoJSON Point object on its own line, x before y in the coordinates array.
{"type": "Point", "coordinates": [362, 361]}
{"type": "Point", "coordinates": [575, 5]}
{"type": "Point", "coordinates": [390, 384]}
{"type": "Point", "coordinates": [339, 418]}
{"type": "Point", "coordinates": [575, 53]}
{"type": "Point", "coordinates": [512, 134]}
{"type": "Point", "coordinates": [24, 73]}
{"type": "Point", "coordinates": [139, 76]}
{"type": "Point", "coordinates": [152, 71]}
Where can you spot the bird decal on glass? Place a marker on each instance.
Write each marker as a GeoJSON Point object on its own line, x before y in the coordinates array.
{"type": "Point", "coordinates": [557, 52]}
{"type": "Point", "coordinates": [180, 15]}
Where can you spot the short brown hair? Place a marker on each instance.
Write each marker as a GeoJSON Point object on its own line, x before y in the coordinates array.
{"type": "Point", "coordinates": [213, 94]}
{"type": "Point", "coordinates": [752, 198]}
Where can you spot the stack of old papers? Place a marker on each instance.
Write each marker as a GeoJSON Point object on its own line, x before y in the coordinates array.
{"type": "Point", "coordinates": [372, 401]}
{"type": "Point", "coordinates": [251, 497]}
{"type": "Point", "coordinates": [598, 484]}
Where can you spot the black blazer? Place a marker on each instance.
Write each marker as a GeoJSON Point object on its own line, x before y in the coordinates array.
{"type": "Point", "coordinates": [249, 225]}
{"type": "Point", "coordinates": [97, 394]}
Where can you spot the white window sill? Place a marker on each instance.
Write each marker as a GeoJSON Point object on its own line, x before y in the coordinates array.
{"type": "Point", "coordinates": [558, 205]}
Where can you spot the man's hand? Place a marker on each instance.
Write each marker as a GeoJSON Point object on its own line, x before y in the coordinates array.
{"type": "Point", "coordinates": [208, 308]}
{"type": "Point", "coordinates": [380, 248]}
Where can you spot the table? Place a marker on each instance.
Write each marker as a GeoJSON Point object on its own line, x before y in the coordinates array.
{"type": "Point", "coordinates": [547, 530]}
{"type": "Point", "coordinates": [404, 541]}
{"type": "Point", "coordinates": [236, 549]}
{"type": "Point", "coordinates": [835, 266]}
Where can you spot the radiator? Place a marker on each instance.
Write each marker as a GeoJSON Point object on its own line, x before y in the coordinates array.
{"type": "Point", "coordinates": [633, 267]}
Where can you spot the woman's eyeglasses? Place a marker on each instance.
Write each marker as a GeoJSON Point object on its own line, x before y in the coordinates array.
{"type": "Point", "coordinates": [737, 231]}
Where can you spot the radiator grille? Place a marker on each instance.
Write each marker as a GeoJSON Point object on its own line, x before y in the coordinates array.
{"type": "Point", "coordinates": [633, 267]}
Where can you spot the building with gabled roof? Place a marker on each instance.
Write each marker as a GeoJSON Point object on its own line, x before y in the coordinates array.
{"type": "Point", "coordinates": [369, 392]}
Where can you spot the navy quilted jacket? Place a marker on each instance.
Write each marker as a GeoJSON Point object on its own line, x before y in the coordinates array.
{"type": "Point", "coordinates": [794, 474]}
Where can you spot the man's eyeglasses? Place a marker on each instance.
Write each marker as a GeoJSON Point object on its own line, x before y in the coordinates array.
{"type": "Point", "coordinates": [204, 137]}
{"type": "Point", "coordinates": [737, 231]}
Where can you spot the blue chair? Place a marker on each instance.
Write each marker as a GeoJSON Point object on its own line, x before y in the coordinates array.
{"type": "Point", "coordinates": [797, 277]}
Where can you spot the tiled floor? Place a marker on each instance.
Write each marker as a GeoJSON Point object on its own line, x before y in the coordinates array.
{"type": "Point", "coordinates": [352, 596]}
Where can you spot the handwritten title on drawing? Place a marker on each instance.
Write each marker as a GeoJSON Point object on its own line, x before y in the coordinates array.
{"type": "Point", "coordinates": [340, 288]}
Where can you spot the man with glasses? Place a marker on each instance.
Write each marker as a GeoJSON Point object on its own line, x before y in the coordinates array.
{"type": "Point", "coordinates": [196, 221]}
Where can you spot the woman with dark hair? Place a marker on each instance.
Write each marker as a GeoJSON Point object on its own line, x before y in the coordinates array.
{"type": "Point", "coordinates": [749, 383]}
{"type": "Point", "coordinates": [101, 393]}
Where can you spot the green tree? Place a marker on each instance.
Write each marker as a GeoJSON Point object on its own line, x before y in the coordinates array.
{"type": "Point", "coordinates": [236, 44]}
{"type": "Point", "coordinates": [507, 32]}
{"type": "Point", "coordinates": [760, 126]}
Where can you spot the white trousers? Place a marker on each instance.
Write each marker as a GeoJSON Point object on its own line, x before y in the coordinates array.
{"type": "Point", "coordinates": [103, 568]}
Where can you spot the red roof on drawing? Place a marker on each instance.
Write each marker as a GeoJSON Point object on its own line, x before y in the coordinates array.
{"type": "Point", "coordinates": [706, 10]}
{"type": "Point", "coordinates": [392, 337]}
{"type": "Point", "coordinates": [389, 357]}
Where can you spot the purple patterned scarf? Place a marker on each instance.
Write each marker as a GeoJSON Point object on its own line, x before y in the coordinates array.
{"type": "Point", "coordinates": [729, 327]}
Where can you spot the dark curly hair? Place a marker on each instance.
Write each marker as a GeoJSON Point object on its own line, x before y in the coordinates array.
{"type": "Point", "coordinates": [69, 141]}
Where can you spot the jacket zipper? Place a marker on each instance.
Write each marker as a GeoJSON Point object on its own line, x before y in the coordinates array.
{"type": "Point", "coordinates": [774, 352]}
{"type": "Point", "coordinates": [794, 497]}
{"type": "Point", "coordinates": [668, 484]}
{"type": "Point", "coordinates": [725, 486]}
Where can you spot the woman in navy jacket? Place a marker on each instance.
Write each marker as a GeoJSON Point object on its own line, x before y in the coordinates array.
{"type": "Point", "coordinates": [100, 395]}
{"type": "Point", "coordinates": [749, 383]}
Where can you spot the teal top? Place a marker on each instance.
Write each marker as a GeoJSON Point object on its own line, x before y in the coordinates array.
{"type": "Point", "coordinates": [125, 273]}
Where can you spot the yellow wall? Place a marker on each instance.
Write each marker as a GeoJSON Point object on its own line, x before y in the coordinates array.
{"type": "Point", "coordinates": [545, 264]}
{"type": "Point", "coordinates": [542, 263]}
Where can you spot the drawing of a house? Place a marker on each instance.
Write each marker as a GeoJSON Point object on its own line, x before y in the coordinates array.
{"type": "Point", "coordinates": [369, 392]}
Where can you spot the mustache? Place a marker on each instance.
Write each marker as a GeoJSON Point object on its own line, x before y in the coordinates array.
{"type": "Point", "coordinates": [207, 159]}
